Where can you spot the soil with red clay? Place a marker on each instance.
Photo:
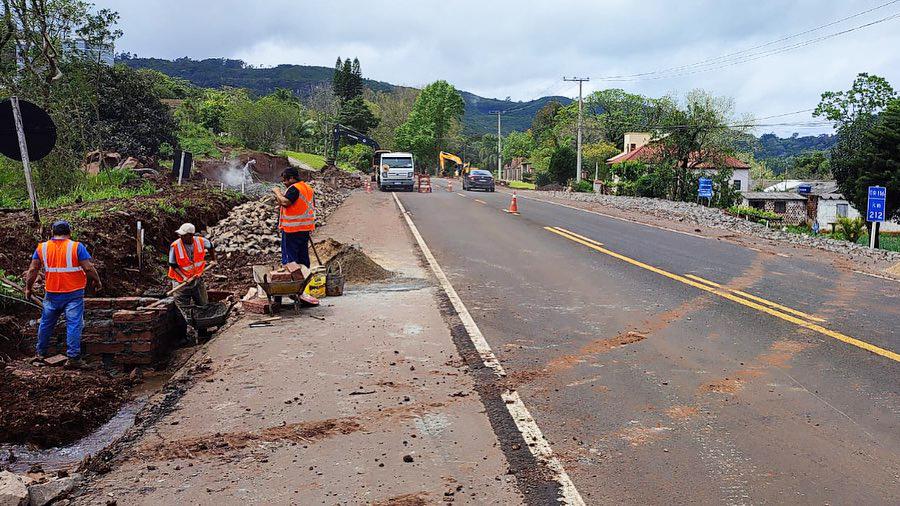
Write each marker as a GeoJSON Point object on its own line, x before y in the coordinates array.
{"type": "Point", "coordinates": [356, 265]}
{"type": "Point", "coordinates": [53, 406]}
{"type": "Point", "coordinates": [107, 228]}
{"type": "Point", "coordinates": [49, 406]}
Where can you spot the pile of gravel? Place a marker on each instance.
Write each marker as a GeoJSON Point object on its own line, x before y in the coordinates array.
{"type": "Point", "coordinates": [252, 227]}
{"type": "Point", "coordinates": [716, 218]}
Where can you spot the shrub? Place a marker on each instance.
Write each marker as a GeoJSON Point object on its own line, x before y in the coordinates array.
{"type": "Point", "coordinates": [753, 214]}
{"type": "Point", "coordinates": [542, 178]}
{"type": "Point", "coordinates": [582, 186]}
{"type": "Point", "coordinates": [850, 229]}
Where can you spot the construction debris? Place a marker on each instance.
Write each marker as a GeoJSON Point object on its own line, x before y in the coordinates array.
{"type": "Point", "coordinates": [252, 228]}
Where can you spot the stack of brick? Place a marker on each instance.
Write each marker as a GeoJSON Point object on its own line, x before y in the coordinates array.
{"type": "Point", "coordinates": [121, 334]}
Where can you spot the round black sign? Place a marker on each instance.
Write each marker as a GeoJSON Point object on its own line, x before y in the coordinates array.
{"type": "Point", "coordinates": [40, 131]}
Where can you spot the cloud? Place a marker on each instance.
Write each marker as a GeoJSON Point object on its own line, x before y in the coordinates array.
{"type": "Point", "coordinates": [521, 49]}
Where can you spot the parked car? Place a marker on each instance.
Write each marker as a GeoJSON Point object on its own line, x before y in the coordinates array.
{"type": "Point", "coordinates": [479, 180]}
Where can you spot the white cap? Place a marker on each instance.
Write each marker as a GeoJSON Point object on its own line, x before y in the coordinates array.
{"type": "Point", "coordinates": [187, 228]}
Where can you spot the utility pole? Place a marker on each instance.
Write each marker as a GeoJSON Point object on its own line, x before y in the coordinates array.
{"type": "Point", "coordinates": [499, 153]}
{"type": "Point", "coordinates": [580, 81]}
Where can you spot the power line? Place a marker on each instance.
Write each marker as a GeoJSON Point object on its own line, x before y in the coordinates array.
{"type": "Point", "coordinates": [728, 60]}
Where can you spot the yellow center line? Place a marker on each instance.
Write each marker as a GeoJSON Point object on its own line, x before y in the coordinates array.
{"type": "Point", "coordinates": [583, 238]}
{"type": "Point", "coordinates": [732, 297]}
{"type": "Point", "coordinates": [758, 299]}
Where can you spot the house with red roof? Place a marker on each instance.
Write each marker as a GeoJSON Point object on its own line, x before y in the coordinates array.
{"type": "Point", "coordinates": [639, 147]}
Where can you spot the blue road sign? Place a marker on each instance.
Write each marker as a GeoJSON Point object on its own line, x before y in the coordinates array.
{"type": "Point", "coordinates": [705, 188]}
{"type": "Point", "coordinates": [875, 208]}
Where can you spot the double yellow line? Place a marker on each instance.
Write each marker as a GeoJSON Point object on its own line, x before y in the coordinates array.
{"type": "Point", "coordinates": [758, 303]}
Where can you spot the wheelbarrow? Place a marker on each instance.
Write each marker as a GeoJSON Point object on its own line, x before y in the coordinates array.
{"type": "Point", "coordinates": [212, 315]}
{"type": "Point", "coordinates": [275, 290]}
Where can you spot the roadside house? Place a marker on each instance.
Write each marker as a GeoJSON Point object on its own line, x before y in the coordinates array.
{"type": "Point", "coordinates": [790, 206]}
{"type": "Point", "coordinates": [516, 169]}
{"type": "Point", "coordinates": [638, 147]}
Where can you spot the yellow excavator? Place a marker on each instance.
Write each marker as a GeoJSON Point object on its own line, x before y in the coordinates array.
{"type": "Point", "coordinates": [443, 157]}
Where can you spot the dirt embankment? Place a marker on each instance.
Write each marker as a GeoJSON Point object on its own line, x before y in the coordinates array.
{"type": "Point", "coordinates": [108, 229]}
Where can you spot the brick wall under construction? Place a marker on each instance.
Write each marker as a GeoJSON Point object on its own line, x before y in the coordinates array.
{"type": "Point", "coordinates": [120, 334]}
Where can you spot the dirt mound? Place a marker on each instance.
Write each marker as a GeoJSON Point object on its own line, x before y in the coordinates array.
{"type": "Point", "coordinates": [356, 265]}
{"type": "Point", "coordinates": [53, 407]}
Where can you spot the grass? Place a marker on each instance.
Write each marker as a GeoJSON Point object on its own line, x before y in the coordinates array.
{"type": "Point", "coordinates": [315, 161]}
{"type": "Point", "coordinates": [521, 185]}
{"type": "Point", "coordinates": [889, 242]}
{"type": "Point", "coordinates": [109, 184]}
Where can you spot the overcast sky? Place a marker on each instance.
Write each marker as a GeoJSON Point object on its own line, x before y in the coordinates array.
{"type": "Point", "coordinates": [521, 49]}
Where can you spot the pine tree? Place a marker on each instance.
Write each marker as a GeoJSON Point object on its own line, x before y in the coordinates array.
{"type": "Point", "coordinates": [355, 88]}
{"type": "Point", "coordinates": [339, 80]}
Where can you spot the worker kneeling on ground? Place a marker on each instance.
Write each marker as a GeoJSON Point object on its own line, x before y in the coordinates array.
{"type": "Point", "coordinates": [187, 262]}
{"type": "Point", "coordinates": [298, 217]}
{"type": "Point", "coordinates": [67, 268]}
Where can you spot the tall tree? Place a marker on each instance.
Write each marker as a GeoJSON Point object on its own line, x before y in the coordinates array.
{"type": "Point", "coordinates": [437, 110]}
{"type": "Point", "coordinates": [864, 155]}
{"type": "Point", "coordinates": [356, 114]}
{"type": "Point", "coordinates": [868, 95]}
{"type": "Point", "coordinates": [544, 119]}
{"type": "Point", "coordinates": [355, 80]}
{"type": "Point", "coordinates": [392, 109]}
{"type": "Point", "coordinates": [339, 79]}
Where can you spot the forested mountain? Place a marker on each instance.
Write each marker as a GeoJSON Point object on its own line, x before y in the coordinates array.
{"type": "Point", "coordinates": [303, 80]}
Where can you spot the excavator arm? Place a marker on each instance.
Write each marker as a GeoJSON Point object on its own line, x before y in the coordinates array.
{"type": "Point", "coordinates": [340, 131]}
{"type": "Point", "coordinates": [443, 157]}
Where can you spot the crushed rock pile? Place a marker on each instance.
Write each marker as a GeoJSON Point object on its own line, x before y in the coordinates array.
{"type": "Point", "coordinates": [356, 265]}
{"type": "Point", "coordinates": [252, 228]}
{"type": "Point", "coordinates": [716, 218]}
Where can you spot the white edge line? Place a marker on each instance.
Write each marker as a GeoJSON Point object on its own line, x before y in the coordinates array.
{"type": "Point", "coordinates": [618, 218]}
{"type": "Point", "coordinates": [531, 433]}
{"type": "Point", "coordinates": [879, 276]}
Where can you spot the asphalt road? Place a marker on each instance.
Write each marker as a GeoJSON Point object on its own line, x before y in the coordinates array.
{"type": "Point", "coordinates": [668, 368]}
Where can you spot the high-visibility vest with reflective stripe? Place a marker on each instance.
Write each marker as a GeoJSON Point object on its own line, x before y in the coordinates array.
{"type": "Point", "coordinates": [62, 270]}
{"type": "Point", "coordinates": [301, 215]}
{"type": "Point", "coordinates": [191, 266]}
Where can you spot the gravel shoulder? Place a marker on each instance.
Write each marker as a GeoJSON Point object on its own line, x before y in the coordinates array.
{"type": "Point", "coordinates": [695, 219]}
{"type": "Point", "coordinates": [364, 399]}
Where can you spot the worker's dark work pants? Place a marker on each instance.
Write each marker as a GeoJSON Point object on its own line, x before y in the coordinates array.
{"type": "Point", "coordinates": [54, 306]}
{"type": "Point", "coordinates": [295, 248]}
{"type": "Point", "coordinates": [192, 294]}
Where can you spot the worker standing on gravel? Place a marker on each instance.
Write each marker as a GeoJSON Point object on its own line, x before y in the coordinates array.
{"type": "Point", "coordinates": [187, 262]}
{"type": "Point", "coordinates": [67, 268]}
{"type": "Point", "coordinates": [298, 217]}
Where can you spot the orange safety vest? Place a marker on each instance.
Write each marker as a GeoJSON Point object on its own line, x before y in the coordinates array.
{"type": "Point", "coordinates": [62, 270]}
{"type": "Point", "coordinates": [301, 215]}
{"type": "Point", "coordinates": [191, 266]}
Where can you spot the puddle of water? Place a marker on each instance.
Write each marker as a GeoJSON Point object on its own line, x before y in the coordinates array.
{"type": "Point", "coordinates": [52, 459]}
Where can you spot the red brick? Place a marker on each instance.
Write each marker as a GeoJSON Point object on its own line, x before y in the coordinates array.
{"type": "Point", "coordinates": [134, 336]}
{"type": "Point", "coordinates": [278, 277]}
{"type": "Point", "coordinates": [143, 346]}
{"type": "Point", "coordinates": [256, 306]}
{"type": "Point", "coordinates": [124, 315]}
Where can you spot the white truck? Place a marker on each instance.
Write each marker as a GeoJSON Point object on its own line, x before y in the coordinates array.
{"type": "Point", "coordinates": [394, 170]}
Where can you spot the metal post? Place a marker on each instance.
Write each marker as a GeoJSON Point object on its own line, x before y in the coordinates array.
{"type": "Point", "coordinates": [873, 234]}
{"type": "Point", "coordinates": [26, 163]}
{"type": "Point", "coordinates": [580, 81]}
{"type": "Point", "coordinates": [181, 168]}
{"type": "Point", "coordinates": [499, 152]}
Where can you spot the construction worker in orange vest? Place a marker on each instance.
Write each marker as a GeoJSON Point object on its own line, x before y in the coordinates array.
{"type": "Point", "coordinates": [67, 268]}
{"type": "Point", "coordinates": [187, 262]}
{"type": "Point", "coordinates": [298, 217]}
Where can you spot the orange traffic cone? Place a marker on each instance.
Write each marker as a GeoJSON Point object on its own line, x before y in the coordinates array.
{"type": "Point", "coordinates": [513, 207]}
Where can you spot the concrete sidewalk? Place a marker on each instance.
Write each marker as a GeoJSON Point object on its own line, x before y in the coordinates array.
{"type": "Point", "coordinates": [363, 400]}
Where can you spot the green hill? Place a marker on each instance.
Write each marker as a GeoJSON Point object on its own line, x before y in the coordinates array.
{"type": "Point", "coordinates": [303, 80]}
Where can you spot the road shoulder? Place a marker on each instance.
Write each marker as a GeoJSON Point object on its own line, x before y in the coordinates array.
{"type": "Point", "coordinates": [362, 400]}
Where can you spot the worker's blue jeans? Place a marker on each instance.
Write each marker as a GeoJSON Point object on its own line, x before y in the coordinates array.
{"type": "Point", "coordinates": [55, 304]}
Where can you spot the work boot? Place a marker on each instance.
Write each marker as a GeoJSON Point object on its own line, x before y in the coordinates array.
{"type": "Point", "coordinates": [73, 363]}
{"type": "Point", "coordinates": [39, 360]}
